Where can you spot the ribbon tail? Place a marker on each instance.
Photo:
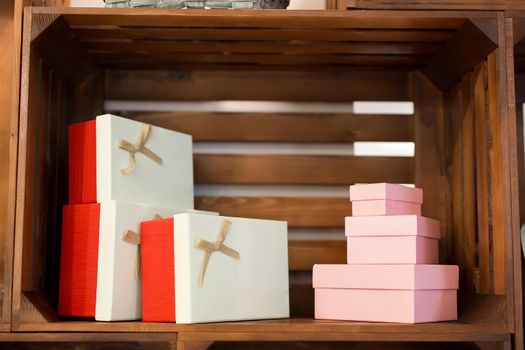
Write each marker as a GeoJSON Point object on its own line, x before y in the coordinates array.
{"type": "Point", "coordinates": [129, 169]}
{"type": "Point", "coordinates": [151, 155]}
{"type": "Point", "coordinates": [138, 271]}
{"type": "Point", "coordinates": [204, 267]}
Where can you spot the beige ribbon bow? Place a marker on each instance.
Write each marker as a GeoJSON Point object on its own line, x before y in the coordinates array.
{"type": "Point", "coordinates": [217, 246]}
{"type": "Point", "coordinates": [138, 147]}
{"type": "Point", "coordinates": [132, 237]}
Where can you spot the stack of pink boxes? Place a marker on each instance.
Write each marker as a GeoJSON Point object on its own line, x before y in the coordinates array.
{"type": "Point", "coordinates": [392, 273]}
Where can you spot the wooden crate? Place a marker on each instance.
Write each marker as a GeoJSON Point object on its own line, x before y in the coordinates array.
{"type": "Point", "coordinates": [452, 65]}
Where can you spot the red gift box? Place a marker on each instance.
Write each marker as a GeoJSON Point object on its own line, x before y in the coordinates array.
{"type": "Point", "coordinates": [79, 260]}
{"type": "Point", "coordinates": [158, 271]}
{"type": "Point", "coordinates": [83, 162]}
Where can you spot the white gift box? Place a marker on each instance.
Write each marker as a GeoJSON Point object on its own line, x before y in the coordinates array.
{"type": "Point", "coordinates": [162, 174]}
{"type": "Point", "coordinates": [118, 295]}
{"type": "Point", "coordinates": [244, 278]}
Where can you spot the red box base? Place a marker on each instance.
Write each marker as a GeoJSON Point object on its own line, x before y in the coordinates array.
{"type": "Point", "coordinates": [158, 271]}
{"type": "Point", "coordinates": [79, 260]}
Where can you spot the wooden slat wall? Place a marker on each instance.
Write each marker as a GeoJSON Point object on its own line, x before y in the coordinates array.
{"type": "Point", "coordinates": [478, 223]}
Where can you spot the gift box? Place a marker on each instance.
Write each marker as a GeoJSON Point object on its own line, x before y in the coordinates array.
{"type": "Point", "coordinates": [386, 293]}
{"type": "Point", "coordinates": [385, 199]}
{"type": "Point", "coordinates": [199, 268]}
{"type": "Point", "coordinates": [103, 235]}
{"type": "Point", "coordinates": [386, 191]}
{"type": "Point", "coordinates": [113, 158]}
{"type": "Point", "coordinates": [385, 207]}
{"type": "Point", "coordinates": [397, 239]}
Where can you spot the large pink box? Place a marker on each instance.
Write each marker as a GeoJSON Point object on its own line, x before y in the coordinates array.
{"type": "Point", "coordinates": [386, 191]}
{"type": "Point", "coordinates": [397, 239]}
{"type": "Point", "coordinates": [386, 293]}
{"type": "Point", "coordinates": [385, 207]}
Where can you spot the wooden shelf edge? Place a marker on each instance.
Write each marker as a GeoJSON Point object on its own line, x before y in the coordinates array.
{"type": "Point", "coordinates": [87, 337]}
{"type": "Point", "coordinates": [277, 330]}
{"type": "Point", "coordinates": [262, 13]}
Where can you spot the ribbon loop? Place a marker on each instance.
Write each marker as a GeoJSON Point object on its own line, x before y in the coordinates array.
{"type": "Point", "coordinates": [217, 246]}
{"type": "Point", "coordinates": [138, 147]}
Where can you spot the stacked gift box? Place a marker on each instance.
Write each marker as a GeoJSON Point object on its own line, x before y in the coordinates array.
{"type": "Point", "coordinates": [392, 272]}
{"type": "Point", "coordinates": [132, 244]}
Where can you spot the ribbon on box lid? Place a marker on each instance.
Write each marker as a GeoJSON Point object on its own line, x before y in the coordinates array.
{"type": "Point", "coordinates": [132, 237]}
{"type": "Point", "coordinates": [138, 147]}
{"type": "Point", "coordinates": [217, 246]}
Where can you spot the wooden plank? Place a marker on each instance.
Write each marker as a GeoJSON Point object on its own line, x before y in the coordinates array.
{"type": "Point", "coordinates": [430, 173]}
{"type": "Point", "coordinates": [300, 170]}
{"type": "Point", "coordinates": [516, 129]}
{"type": "Point", "coordinates": [256, 86]}
{"type": "Point", "coordinates": [471, 43]}
{"type": "Point", "coordinates": [311, 48]}
{"type": "Point", "coordinates": [151, 18]}
{"type": "Point", "coordinates": [469, 182]}
{"type": "Point", "coordinates": [456, 183]}
{"type": "Point", "coordinates": [505, 178]}
{"type": "Point", "coordinates": [482, 177]}
{"type": "Point", "coordinates": [166, 59]}
{"type": "Point", "coordinates": [302, 255]}
{"type": "Point", "coordinates": [437, 4]}
{"type": "Point", "coordinates": [499, 163]}
{"type": "Point", "coordinates": [95, 34]}
{"type": "Point", "coordinates": [283, 127]}
{"type": "Point", "coordinates": [29, 77]}
{"type": "Point", "coordinates": [299, 212]}
{"type": "Point", "coordinates": [9, 74]}
{"type": "Point", "coordinates": [21, 78]}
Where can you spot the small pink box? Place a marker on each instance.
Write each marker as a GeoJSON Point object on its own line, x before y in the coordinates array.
{"type": "Point", "coordinates": [392, 250]}
{"type": "Point", "coordinates": [386, 191]}
{"type": "Point", "coordinates": [394, 225]}
{"type": "Point", "coordinates": [386, 293]}
{"type": "Point", "coordinates": [385, 207]}
{"type": "Point", "coordinates": [398, 239]}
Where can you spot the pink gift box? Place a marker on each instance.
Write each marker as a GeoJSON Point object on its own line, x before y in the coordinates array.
{"type": "Point", "coordinates": [398, 239]}
{"type": "Point", "coordinates": [386, 293]}
{"type": "Point", "coordinates": [386, 191]}
{"type": "Point", "coordinates": [408, 276]}
{"type": "Point", "coordinates": [392, 250]}
{"type": "Point", "coordinates": [394, 225]}
{"type": "Point", "coordinates": [385, 207]}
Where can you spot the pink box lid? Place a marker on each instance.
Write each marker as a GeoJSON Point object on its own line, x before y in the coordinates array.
{"type": "Point", "coordinates": [391, 225]}
{"type": "Point", "coordinates": [386, 191]}
{"type": "Point", "coordinates": [406, 277]}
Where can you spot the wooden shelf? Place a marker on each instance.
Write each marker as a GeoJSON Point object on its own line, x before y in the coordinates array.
{"type": "Point", "coordinates": [481, 319]}
{"type": "Point", "coordinates": [323, 56]}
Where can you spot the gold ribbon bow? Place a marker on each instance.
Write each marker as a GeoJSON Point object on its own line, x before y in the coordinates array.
{"type": "Point", "coordinates": [132, 237]}
{"type": "Point", "coordinates": [138, 147]}
{"type": "Point", "coordinates": [217, 246]}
